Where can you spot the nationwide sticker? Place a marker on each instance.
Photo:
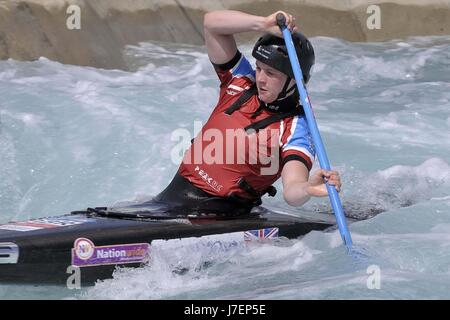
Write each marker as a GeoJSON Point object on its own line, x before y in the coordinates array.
{"type": "Point", "coordinates": [85, 253]}
{"type": "Point", "coordinates": [44, 223]}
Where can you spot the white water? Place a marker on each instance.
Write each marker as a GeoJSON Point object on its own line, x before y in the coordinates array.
{"type": "Point", "coordinates": [73, 137]}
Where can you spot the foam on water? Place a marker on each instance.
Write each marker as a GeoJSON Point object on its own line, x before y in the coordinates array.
{"type": "Point", "coordinates": [73, 137]}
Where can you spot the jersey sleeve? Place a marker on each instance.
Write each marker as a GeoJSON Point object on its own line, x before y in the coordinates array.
{"type": "Point", "coordinates": [236, 75]}
{"type": "Point", "coordinates": [297, 143]}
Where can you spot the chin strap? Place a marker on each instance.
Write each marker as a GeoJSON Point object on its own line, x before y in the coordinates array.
{"type": "Point", "coordinates": [285, 92]}
{"type": "Point", "coordinates": [287, 99]}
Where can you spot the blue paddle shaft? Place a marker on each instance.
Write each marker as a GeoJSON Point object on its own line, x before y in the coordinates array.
{"type": "Point", "coordinates": [320, 148]}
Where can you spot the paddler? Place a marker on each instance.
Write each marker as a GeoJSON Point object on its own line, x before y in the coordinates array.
{"type": "Point", "coordinates": [257, 132]}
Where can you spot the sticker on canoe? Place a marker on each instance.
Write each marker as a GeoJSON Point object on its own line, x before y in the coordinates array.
{"type": "Point", "coordinates": [44, 223]}
{"type": "Point", "coordinates": [18, 227]}
{"type": "Point", "coordinates": [261, 234]}
{"type": "Point", "coordinates": [86, 254]}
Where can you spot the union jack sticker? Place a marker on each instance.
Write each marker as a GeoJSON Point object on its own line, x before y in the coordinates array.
{"type": "Point", "coordinates": [261, 234]}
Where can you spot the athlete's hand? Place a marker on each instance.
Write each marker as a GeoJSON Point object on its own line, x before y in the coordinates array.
{"type": "Point", "coordinates": [271, 25]}
{"type": "Point", "coordinates": [317, 187]}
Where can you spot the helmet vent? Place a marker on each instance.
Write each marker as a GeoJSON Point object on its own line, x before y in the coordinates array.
{"type": "Point", "coordinates": [280, 49]}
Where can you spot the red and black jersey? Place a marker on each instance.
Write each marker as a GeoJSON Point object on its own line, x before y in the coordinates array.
{"type": "Point", "coordinates": [223, 153]}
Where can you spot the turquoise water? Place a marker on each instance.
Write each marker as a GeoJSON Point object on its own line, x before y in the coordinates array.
{"type": "Point", "coordinates": [73, 137]}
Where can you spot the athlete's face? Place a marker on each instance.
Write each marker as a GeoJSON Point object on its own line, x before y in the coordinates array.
{"type": "Point", "coordinates": [269, 82]}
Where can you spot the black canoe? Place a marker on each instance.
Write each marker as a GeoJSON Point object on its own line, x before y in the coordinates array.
{"type": "Point", "coordinates": [97, 241]}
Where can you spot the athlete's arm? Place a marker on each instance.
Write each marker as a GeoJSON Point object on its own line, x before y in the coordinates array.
{"type": "Point", "coordinates": [298, 187]}
{"type": "Point", "coordinates": [220, 26]}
